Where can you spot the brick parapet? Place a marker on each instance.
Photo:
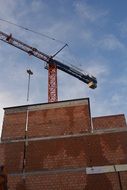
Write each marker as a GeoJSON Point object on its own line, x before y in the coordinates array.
{"type": "Point", "coordinates": [61, 118]}
{"type": "Point", "coordinates": [109, 122]}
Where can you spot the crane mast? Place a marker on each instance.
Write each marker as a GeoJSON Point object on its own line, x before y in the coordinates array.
{"type": "Point", "coordinates": [52, 65]}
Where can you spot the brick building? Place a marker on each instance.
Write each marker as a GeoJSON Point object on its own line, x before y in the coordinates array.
{"type": "Point", "coordinates": [58, 146]}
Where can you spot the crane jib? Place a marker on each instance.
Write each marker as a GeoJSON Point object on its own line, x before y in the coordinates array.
{"type": "Point", "coordinates": [70, 70]}
{"type": "Point", "coordinates": [88, 79]}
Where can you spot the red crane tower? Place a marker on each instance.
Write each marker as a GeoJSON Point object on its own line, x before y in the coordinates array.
{"type": "Point", "coordinates": [52, 65]}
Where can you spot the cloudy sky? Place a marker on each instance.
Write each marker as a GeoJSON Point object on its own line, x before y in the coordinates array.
{"type": "Point", "coordinates": [96, 32]}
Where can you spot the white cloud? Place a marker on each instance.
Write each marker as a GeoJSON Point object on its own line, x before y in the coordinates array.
{"type": "Point", "coordinates": [97, 67]}
{"type": "Point", "coordinates": [87, 35]}
{"type": "Point", "coordinates": [110, 42]}
{"type": "Point", "coordinates": [7, 7]}
{"type": "Point", "coordinates": [107, 106]}
{"type": "Point", "coordinates": [37, 6]}
{"type": "Point", "coordinates": [7, 11]}
{"type": "Point", "coordinates": [116, 99]}
{"type": "Point", "coordinates": [88, 12]}
{"type": "Point", "coordinates": [122, 27]}
{"type": "Point", "coordinates": [121, 80]}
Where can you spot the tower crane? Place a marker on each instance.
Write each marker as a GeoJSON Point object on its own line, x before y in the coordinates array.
{"type": "Point", "coordinates": [52, 65]}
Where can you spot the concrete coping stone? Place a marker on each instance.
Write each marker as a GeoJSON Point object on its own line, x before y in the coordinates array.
{"type": "Point", "coordinates": [43, 106]}
{"type": "Point", "coordinates": [88, 170]}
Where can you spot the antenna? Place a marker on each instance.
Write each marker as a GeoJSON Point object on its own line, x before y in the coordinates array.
{"type": "Point", "coordinates": [28, 90]}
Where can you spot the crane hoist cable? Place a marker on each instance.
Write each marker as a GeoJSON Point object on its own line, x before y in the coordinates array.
{"type": "Point", "coordinates": [40, 34]}
{"type": "Point", "coordinates": [33, 31]}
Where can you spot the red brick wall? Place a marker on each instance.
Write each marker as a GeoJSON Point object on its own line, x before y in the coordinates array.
{"type": "Point", "coordinates": [59, 121]}
{"type": "Point", "coordinates": [62, 153]}
{"type": "Point", "coordinates": [93, 150]}
{"type": "Point", "coordinates": [15, 183]}
{"type": "Point", "coordinates": [1, 154]}
{"type": "Point", "coordinates": [123, 178]}
{"type": "Point", "coordinates": [13, 153]}
{"type": "Point", "coordinates": [66, 181]}
{"type": "Point", "coordinates": [106, 122]}
{"type": "Point", "coordinates": [62, 118]}
{"type": "Point", "coordinates": [61, 181]}
{"type": "Point", "coordinates": [108, 181]}
{"type": "Point", "coordinates": [14, 125]}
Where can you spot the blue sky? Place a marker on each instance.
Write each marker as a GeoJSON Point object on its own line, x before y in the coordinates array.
{"type": "Point", "coordinates": [96, 31]}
